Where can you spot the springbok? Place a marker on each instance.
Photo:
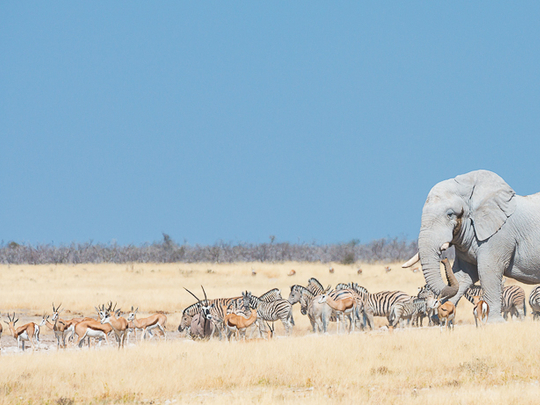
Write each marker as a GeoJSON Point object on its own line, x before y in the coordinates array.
{"type": "Point", "coordinates": [238, 323]}
{"type": "Point", "coordinates": [118, 323]}
{"type": "Point", "coordinates": [480, 311]}
{"type": "Point", "coordinates": [1, 329]}
{"type": "Point", "coordinates": [59, 328]}
{"type": "Point", "coordinates": [148, 323]}
{"type": "Point", "coordinates": [24, 333]}
{"type": "Point", "coordinates": [292, 273]}
{"type": "Point", "coordinates": [446, 313]}
{"type": "Point", "coordinates": [343, 302]}
{"type": "Point", "coordinates": [91, 329]}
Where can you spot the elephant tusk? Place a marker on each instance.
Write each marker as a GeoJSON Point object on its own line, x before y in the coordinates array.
{"type": "Point", "coordinates": [413, 260]}
{"type": "Point", "coordinates": [445, 246]}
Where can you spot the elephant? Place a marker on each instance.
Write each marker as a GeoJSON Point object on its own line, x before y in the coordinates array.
{"type": "Point", "coordinates": [495, 233]}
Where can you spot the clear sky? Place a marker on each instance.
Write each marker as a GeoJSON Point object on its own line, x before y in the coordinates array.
{"type": "Point", "coordinates": [310, 121]}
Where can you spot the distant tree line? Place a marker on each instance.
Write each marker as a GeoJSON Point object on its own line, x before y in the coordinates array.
{"type": "Point", "coordinates": [384, 250]}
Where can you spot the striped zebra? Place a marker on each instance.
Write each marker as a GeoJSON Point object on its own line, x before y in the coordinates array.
{"type": "Point", "coordinates": [512, 301]}
{"type": "Point", "coordinates": [534, 302]}
{"type": "Point", "coordinates": [473, 291]}
{"type": "Point", "coordinates": [318, 314]}
{"type": "Point", "coordinates": [431, 313]}
{"type": "Point", "coordinates": [378, 304]}
{"type": "Point", "coordinates": [271, 311]}
{"type": "Point", "coordinates": [409, 310]}
{"type": "Point", "coordinates": [315, 287]}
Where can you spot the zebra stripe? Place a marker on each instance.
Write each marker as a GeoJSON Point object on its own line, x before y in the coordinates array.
{"type": "Point", "coordinates": [406, 310]}
{"type": "Point", "coordinates": [513, 302]}
{"type": "Point", "coordinates": [271, 311]}
{"type": "Point", "coordinates": [534, 302]}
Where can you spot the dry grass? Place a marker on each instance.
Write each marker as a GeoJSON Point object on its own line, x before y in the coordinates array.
{"type": "Point", "coordinates": [498, 364]}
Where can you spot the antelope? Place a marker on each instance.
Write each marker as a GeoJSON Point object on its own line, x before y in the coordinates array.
{"type": "Point", "coordinates": [59, 328]}
{"type": "Point", "coordinates": [91, 328]}
{"type": "Point", "coordinates": [118, 323]}
{"type": "Point", "coordinates": [24, 333]}
{"type": "Point", "coordinates": [359, 271]}
{"type": "Point", "coordinates": [148, 323]}
{"type": "Point", "coordinates": [447, 314]}
{"type": "Point", "coordinates": [201, 323]}
{"type": "Point", "coordinates": [238, 323]}
{"type": "Point", "coordinates": [253, 272]}
{"type": "Point", "coordinates": [331, 270]}
{"type": "Point", "coordinates": [291, 273]}
{"type": "Point", "coordinates": [343, 302]}
{"type": "Point", "coordinates": [480, 311]}
{"type": "Point", "coordinates": [1, 329]}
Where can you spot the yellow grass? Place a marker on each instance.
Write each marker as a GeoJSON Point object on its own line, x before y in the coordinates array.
{"type": "Point", "coordinates": [495, 365]}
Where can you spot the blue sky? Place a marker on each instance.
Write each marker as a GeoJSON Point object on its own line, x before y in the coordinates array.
{"type": "Point", "coordinates": [310, 121]}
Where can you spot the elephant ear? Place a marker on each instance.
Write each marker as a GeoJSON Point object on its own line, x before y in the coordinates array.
{"type": "Point", "coordinates": [491, 201]}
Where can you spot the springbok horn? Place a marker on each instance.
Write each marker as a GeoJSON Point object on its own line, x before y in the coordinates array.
{"type": "Point", "coordinates": [412, 261]}
{"type": "Point", "coordinates": [192, 294]}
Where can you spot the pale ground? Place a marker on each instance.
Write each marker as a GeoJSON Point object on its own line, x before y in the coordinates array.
{"type": "Point", "coordinates": [494, 365]}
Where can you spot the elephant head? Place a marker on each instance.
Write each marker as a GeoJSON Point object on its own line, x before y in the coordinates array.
{"type": "Point", "coordinates": [464, 212]}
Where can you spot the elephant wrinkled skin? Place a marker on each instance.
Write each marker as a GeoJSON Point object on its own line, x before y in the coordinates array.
{"type": "Point", "coordinates": [494, 231]}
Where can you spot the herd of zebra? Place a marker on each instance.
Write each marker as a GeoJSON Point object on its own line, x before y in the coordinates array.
{"type": "Point", "coordinates": [348, 304]}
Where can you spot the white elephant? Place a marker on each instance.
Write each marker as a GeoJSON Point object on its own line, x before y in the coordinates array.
{"type": "Point", "coordinates": [495, 232]}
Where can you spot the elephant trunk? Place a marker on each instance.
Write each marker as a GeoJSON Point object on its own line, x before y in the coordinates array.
{"type": "Point", "coordinates": [430, 256]}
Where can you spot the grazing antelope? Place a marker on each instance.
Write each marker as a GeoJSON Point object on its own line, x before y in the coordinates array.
{"type": "Point", "coordinates": [1, 334]}
{"type": "Point", "coordinates": [359, 271]}
{"type": "Point", "coordinates": [147, 324]}
{"type": "Point", "coordinates": [331, 270]}
{"type": "Point", "coordinates": [480, 311]}
{"type": "Point", "coordinates": [24, 333]}
{"type": "Point", "coordinates": [387, 269]}
{"type": "Point", "coordinates": [291, 273]}
{"type": "Point", "coordinates": [253, 272]}
{"type": "Point", "coordinates": [118, 323]}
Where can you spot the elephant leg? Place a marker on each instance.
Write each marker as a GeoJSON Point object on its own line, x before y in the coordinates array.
{"type": "Point", "coordinates": [491, 280]}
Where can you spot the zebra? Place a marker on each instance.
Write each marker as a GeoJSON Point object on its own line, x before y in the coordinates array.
{"type": "Point", "coordinates": [271, 295]}
{"type": "Point", "coordinates": [534, 302]}
{"type": "Point", "coordinates": [315, 287]}
{"type": "Point", "coordinates": [271, 311]}
{"type": "Point", "coordinates": [409, 310]}
{"type": "Point", "coordinates": [378, 304]}
{"type": "Point", "coordinates": [473, 291]}
{"type": "Point", "coordinates": [512, 301]}
{"type": "Point", "coordinates": [430, 312]}
{"type": "Point", "coordinates": [318, 314]}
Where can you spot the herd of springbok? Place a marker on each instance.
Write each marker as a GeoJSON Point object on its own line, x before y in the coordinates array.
{"type": "Point", "coordinates": [349, 305]}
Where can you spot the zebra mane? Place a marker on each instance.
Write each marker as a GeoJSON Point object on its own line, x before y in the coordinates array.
{"type": "Point", "coordinates": [192, 310]}
{"type": "Point", "coordinates": [314, 286]}
{"type": "Point", "coordinates": [271, 295]}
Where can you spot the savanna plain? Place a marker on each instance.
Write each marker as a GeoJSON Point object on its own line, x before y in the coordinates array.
{"type": "Point", "coordinates": [496, 364]}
